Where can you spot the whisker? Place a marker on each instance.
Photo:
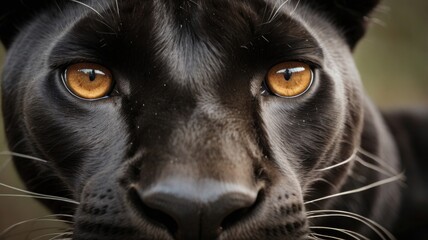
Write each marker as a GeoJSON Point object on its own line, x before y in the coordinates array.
{"type": "Point", "coordinates": [373, 167]}
{"type": "Point", "coordinates": [339, 213]}
{"type": "Point", "coordinates": [341, 163]}
{"type": "Point", "coordinates": [33, 194]}
{"type": "Point", "coordinates": [91, 8]}
{"type": "Point", "coordinates": [39, 219]}
{"type": "Point", "coordinates": [311, 236]}
{"type": "Point", "coordinates": [350, 233]}
{"type": "Point", "coordinates": [379, 22]}
{"type": "Point", "coordinates": [62, 235]}
{"type": "Point", "coordinates": [265, 11]}
{"type": "Point", "coordinates": [40, 197]}
{"type": "Point", "coordinates": [361, 189]}
{"type": "Point", "coordinates": [59, 8]}
{"type": "Point", "coordinates": [347, 216]}
{"type": "Point", "coordinates": [194, 2]}
{"type": "Point", "coordinates": [117, 9]}
{"type": "Point", "coordinates": [377, 159]}
{"type": "Point", "coordinates": [326, 236]}
{"type": "Point", "coordinates": [364, 163]}
{"type": "Point", "coordinates": [15, 154]}
{"type": "Point", "coordinates": [106, 33]}
{"type": "Point", "coordinates": [102, 20]}
{"type": "Point", "coordinates": [298, 2]}
{"type": "Point", "coordinates": [27, 233]}
{"type": "Point", "coordinates": [384, 9]}
{"type": "Point", "coordinates": [275, 13]}
{"type": "Point", "coordinates": [55, 235]}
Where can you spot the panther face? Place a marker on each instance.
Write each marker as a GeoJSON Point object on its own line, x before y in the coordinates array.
{"type": "Point", "coordinates": [189, 119]}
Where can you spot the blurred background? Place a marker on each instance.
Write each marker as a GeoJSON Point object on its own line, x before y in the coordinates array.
{"type": "Point", "coordinates": [393, 62]}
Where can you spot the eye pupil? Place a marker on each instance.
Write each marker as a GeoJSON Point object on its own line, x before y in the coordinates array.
{"type": "Point", "coordinates": [288, 74]}
{"type": "Point", "coordinates": [92, 75]}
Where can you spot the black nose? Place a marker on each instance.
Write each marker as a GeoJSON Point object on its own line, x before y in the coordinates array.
{"type": "Point", "coordinates": [196, 210]}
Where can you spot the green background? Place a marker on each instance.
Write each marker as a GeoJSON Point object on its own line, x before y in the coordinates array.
{"type": "Point", "coordinates": [392, 59]}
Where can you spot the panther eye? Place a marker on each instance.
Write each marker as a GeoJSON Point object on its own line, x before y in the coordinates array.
{"type": "Point", "coordinates": [88, 80]}
{"type": "Point", "coordinates": [289, 79]}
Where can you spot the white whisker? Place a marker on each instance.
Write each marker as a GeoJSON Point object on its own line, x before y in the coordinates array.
{"type": "Point", "coordinates": [275, 13]}
{"type": "Point", "coordinates": [35, 195]}
{"type": "Point", "coordinates": [341, 163]}
{"type": "Point", "coordinates": [326, 236]}
{"type": "Point", "coordinates": [33, 231]}
{"type": "Point", "coordinates": [55, 235]}
{"type": "Point", "coordinates": [311, 236]}
{"type": "Point", "coordinates": [339, 213]}
{"type": "Point", "coordinates": [373, 167]}
{"type": "Point", "coordinates": [59, 8]}
{"type": "Point", "coordinates": [378, 22]}
{"type": "Point", "coordinates": [350, 233]}
{"type": "Point", "coordinates": [44, 218]}
{"type": "Point", "coordinates": [367, 187]}
{"type": "Point", "coordinates": [194, 2]}
{"type": "Point", "coordinates": [117, 9]}
{"type": "Point", "coordinates": [7, 153]}
{"type": "Point", "coordinates": [102, 20]}
{"type": "Point", "coordinates": [265, 11]}
{"type": "Point", "coordinates": [62, 235]}
{"type": "Point", "coordinates": [39, 197]}
{"type": "Point", "coordinates": [91, 8]}
{"type": "Point", "coordinates": [298, 2]}
{"type": "Point", "coordinates": [384, 9]}
{"type": "Point", "coordinates": [352, 217]}
{"type": "Point", "coordinates": [378, 160]}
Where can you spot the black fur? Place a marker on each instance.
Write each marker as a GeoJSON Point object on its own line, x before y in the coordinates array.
{"type": "Point", "coordinates": [187, 111]}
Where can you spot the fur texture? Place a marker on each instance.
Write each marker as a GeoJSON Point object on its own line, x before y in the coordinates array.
{"type": "Point", "coordinates": [188, 114]}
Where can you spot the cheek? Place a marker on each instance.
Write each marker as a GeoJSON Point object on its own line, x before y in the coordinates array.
{"type": "Point", "coordinates": [77, 136]}
{"type": "Point", "coordinates": [302, 133]}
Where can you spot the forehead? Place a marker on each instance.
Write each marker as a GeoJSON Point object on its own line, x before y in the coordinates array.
{"type": "Point", "coordinates": [192, 40]}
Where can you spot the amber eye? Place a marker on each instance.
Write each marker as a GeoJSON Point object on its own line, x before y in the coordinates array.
{"type": "Point", "coordinates": [289, 79]}
{"type": "Point", "coordinates": [88, 80]}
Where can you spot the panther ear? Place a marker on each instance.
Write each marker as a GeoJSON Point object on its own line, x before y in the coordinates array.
{"type": "Point", "coordinates": [350, 16]}
{"type": "Point", "coordinates": [15, 13]}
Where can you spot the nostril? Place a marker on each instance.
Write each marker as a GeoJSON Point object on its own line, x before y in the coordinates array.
{"type": "Point", "coordinates": [242, 213]}
{"type": "Point", "coordinates": [155, 216]}
{"type": "Point", "coordinates": [191, 209]}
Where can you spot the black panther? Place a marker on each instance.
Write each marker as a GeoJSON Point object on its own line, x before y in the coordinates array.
{"type": "Point", "coordinates": [208, 119]}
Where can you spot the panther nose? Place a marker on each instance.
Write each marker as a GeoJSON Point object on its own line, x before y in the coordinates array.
{"type": "Point", "coordinates": [196, 210]}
